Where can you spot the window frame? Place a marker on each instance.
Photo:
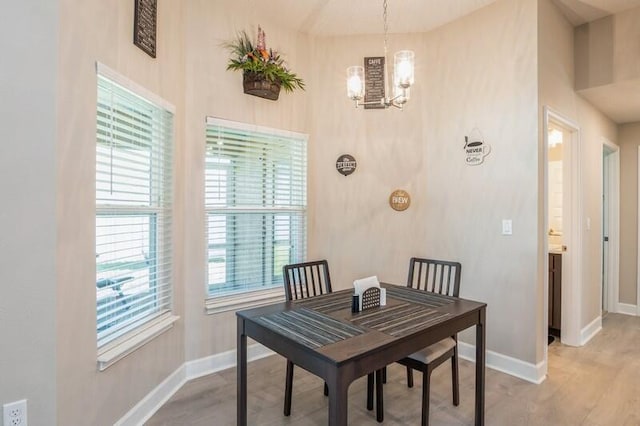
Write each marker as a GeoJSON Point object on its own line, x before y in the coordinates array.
{"type": "Point", "coordinates": [249, 297]}
{"type": "Point", "coordinates": [116, 345]}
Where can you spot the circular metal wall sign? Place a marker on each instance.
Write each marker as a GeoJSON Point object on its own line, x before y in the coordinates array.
{"type": "Point", "coordinates": [399, 200]}
{"type": "Point", "coordinates": [346, 164]}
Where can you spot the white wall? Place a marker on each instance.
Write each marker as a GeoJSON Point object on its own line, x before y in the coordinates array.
{"type": "Point", "coordinates": [27, 211]}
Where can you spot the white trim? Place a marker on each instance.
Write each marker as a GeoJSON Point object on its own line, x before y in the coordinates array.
{"type": "Point", "coordinates": [120, 348]}
{"type": "Point", "coordinates": [216, 121]}
{"type": "Point", "coordinates": [222, 361]}
{"type": "Point", "coordinates": [534, 373]}
{"type": "Point", "coordinates": [245, 300]}
{"type": "Point", "coordinates": [590, 330]}
{"type": "Point", "coordinates": [134, 87]}
{"type": "Point", "coordinates": [627, 309]}
{"type": "Point", "coordinates": [613, 214]}
{"type": "Point", "coordinates": [155, 399]}
{"type": "Point", "coordinates": [572, 275]}
{"type": "Point", "coordinates": [638, 240]}
{"type": "Point", "coordinates": [190, 370]}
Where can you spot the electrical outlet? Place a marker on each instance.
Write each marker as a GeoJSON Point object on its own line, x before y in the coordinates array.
{"type": "Point", "coordinates": [15, 413]}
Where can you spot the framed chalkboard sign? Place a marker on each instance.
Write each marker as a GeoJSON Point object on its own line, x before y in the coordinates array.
{"type": "Point", "coordinates": [374, 81]}
{"type": "Point", "coordinates": [144, 26]}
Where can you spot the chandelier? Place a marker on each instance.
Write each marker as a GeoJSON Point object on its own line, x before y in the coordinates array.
{"type": "Point", "coordinates": [403, 76]}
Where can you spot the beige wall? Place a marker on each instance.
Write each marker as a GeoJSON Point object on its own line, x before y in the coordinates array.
{"type": "Point", "coordinates": [607, 50]}
{"type": "Point", "coordinates": [629, 138]}
{"type": "Point", "coordinates": [91, 31]}
{"type": "Point", "coordinates": [212, 91]}
{"type": "Point", "coordinates": [27, 210]}
{"type": "Point", "coordinates": [463, 81]}
{"type": "Point", "coordinates": [556, 76]}
{"type": "Point", "coordinates": [479, 71]}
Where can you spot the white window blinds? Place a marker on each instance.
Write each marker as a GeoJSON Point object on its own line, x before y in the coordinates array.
{"type": "Point", "coordinates": [133, 209]}
{"type": "Point", "coordinates": [256, 204]}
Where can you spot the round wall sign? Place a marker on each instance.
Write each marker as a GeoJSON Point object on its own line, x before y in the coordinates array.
{"type": "Point", "coordinates": [346, 164]}
{"type": "Point", "coordinates": [399, 200]}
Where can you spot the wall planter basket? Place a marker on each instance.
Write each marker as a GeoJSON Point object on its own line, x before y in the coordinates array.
{"type": "Point", "coordinates": [263, 70]}
{"type": "Point", "coordinates": [257, 85]}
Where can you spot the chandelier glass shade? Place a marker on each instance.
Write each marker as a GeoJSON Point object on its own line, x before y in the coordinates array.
{"type": "Point", "coordinates": [403, 77]}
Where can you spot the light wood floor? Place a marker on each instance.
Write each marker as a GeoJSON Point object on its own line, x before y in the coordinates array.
{"type": "Point", "coordinates": [598, 384]}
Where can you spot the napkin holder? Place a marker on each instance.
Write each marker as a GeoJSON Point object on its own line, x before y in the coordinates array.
{"type": "Point", "coordinates": [367, 294]}
{"type": "Point", "coordinates": [371, 298]}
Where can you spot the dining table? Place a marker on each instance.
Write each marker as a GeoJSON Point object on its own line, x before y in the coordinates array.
{"type": "Point", "coordinates": [322, 335]}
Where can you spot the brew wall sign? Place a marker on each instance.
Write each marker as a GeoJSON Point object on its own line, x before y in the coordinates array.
{"type": "Point", "coordinates": [346, 164]}
{"type": "Point", "coordinates": [145, 25]}
{"type": "Point", "coordinates": [475, 148]}
{"type": "Point", "coordinates": [374, 81]}
{"type": "Point", "coordinates": [399, 200]}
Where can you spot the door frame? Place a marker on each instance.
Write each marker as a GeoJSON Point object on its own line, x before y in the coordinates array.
{"type": "Point", "coordinates": [613, 217]}
{"type": "Point", "coordinates": [572, 258]}
{"type": "Point", "coordinates": [638, 259]}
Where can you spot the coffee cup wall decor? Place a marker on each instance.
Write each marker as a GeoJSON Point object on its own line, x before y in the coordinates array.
{"type": "Point", "coordinates": [475, 148]}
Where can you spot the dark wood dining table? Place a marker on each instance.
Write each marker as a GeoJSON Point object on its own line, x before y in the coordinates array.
{"type": "Point", "coordinates": [323, 336]}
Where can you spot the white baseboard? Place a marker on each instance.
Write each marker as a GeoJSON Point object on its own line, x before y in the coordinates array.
{"type": "Point", "coordinates": [144, 409]}
{"type": "Point", "coordinates": [591, 330]}
{"type": "Point", "coordinates": [155, 399]}
{"type": "Point", "coordinates": [627, 309]}
{"type": "Point", "coordinates": [222, 361]}
{"type": "Point", "coordinates": [523, 370]}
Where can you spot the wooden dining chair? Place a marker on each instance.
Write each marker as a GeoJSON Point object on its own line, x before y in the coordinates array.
{"type": "Point", "coordinates": [303, 280]}
{"type": "Point", "coordinates": [443, 277]}
{"type": "Point", "coordinates": [309, 279]}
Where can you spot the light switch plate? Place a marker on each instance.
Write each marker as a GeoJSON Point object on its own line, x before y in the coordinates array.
{"type": "Point", "coordinates": [507, 227]}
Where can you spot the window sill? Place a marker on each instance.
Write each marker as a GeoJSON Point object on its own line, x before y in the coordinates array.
{"type": "Point", "coordinates": [120, 348]}
{"type": "Point", "coordinates": [239, 301]}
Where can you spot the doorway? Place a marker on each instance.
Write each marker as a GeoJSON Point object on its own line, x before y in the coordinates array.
{"type": "Point", "coordinates": [610, 226]}
{"type": "Point", "coordinates": [562, 231]}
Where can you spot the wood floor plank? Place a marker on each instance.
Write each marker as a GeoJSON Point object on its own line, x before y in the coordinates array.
{"type": "Point", "coordinates": [596, 385]}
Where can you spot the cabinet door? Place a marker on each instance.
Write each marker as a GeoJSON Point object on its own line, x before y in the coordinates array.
{"type": "Point", "coordinates": [555, 291]}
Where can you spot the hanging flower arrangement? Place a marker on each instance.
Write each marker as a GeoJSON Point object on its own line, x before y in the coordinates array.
{"type": "Point", "coordinates": [264, 71]}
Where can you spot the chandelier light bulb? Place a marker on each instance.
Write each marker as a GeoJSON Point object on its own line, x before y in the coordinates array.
{"type": "Point", "coordinates": [403, 68]}
{"type": "Point", "coordinates": [355, 82]}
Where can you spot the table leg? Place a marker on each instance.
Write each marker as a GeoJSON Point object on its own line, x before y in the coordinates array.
{"type": "Point", "coordinates": [242, 375]}
{"type": "Point", "coordinates": [480, 366]}
{"type": "Point", "coordinates": [338, 400]}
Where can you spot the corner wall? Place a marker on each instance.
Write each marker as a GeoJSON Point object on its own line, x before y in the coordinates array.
{"type": "Point", "coordinates": [90, 31]}
{"type": "Point", "coordinates": [477, 72]}
{"type": "Point", "coordinates": [556, 90]}
{"type": "Point", "coordinates": [28, 42]}
{"type": "Point", "coordinates": [212, 91]}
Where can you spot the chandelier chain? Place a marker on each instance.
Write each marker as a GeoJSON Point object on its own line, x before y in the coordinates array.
{"type": "Point", "coordinates": [386, 25]}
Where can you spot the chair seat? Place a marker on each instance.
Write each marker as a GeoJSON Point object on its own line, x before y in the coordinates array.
{"type": "Point", "coordinates": [430, 353]}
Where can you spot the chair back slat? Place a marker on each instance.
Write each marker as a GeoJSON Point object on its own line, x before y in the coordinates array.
{"type": "Point", "coordinates": [308, 279]}
{"type": "Point", "coordinates": [437, 276]}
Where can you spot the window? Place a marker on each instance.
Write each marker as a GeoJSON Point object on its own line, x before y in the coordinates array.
{"type": "Point", "coordinates": [256, 200]}
{"type": "Point", "coordinates": [133, 207]}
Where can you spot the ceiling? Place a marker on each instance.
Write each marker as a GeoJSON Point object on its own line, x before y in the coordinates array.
{"type": "Point", "coordinates": [352, 17]}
